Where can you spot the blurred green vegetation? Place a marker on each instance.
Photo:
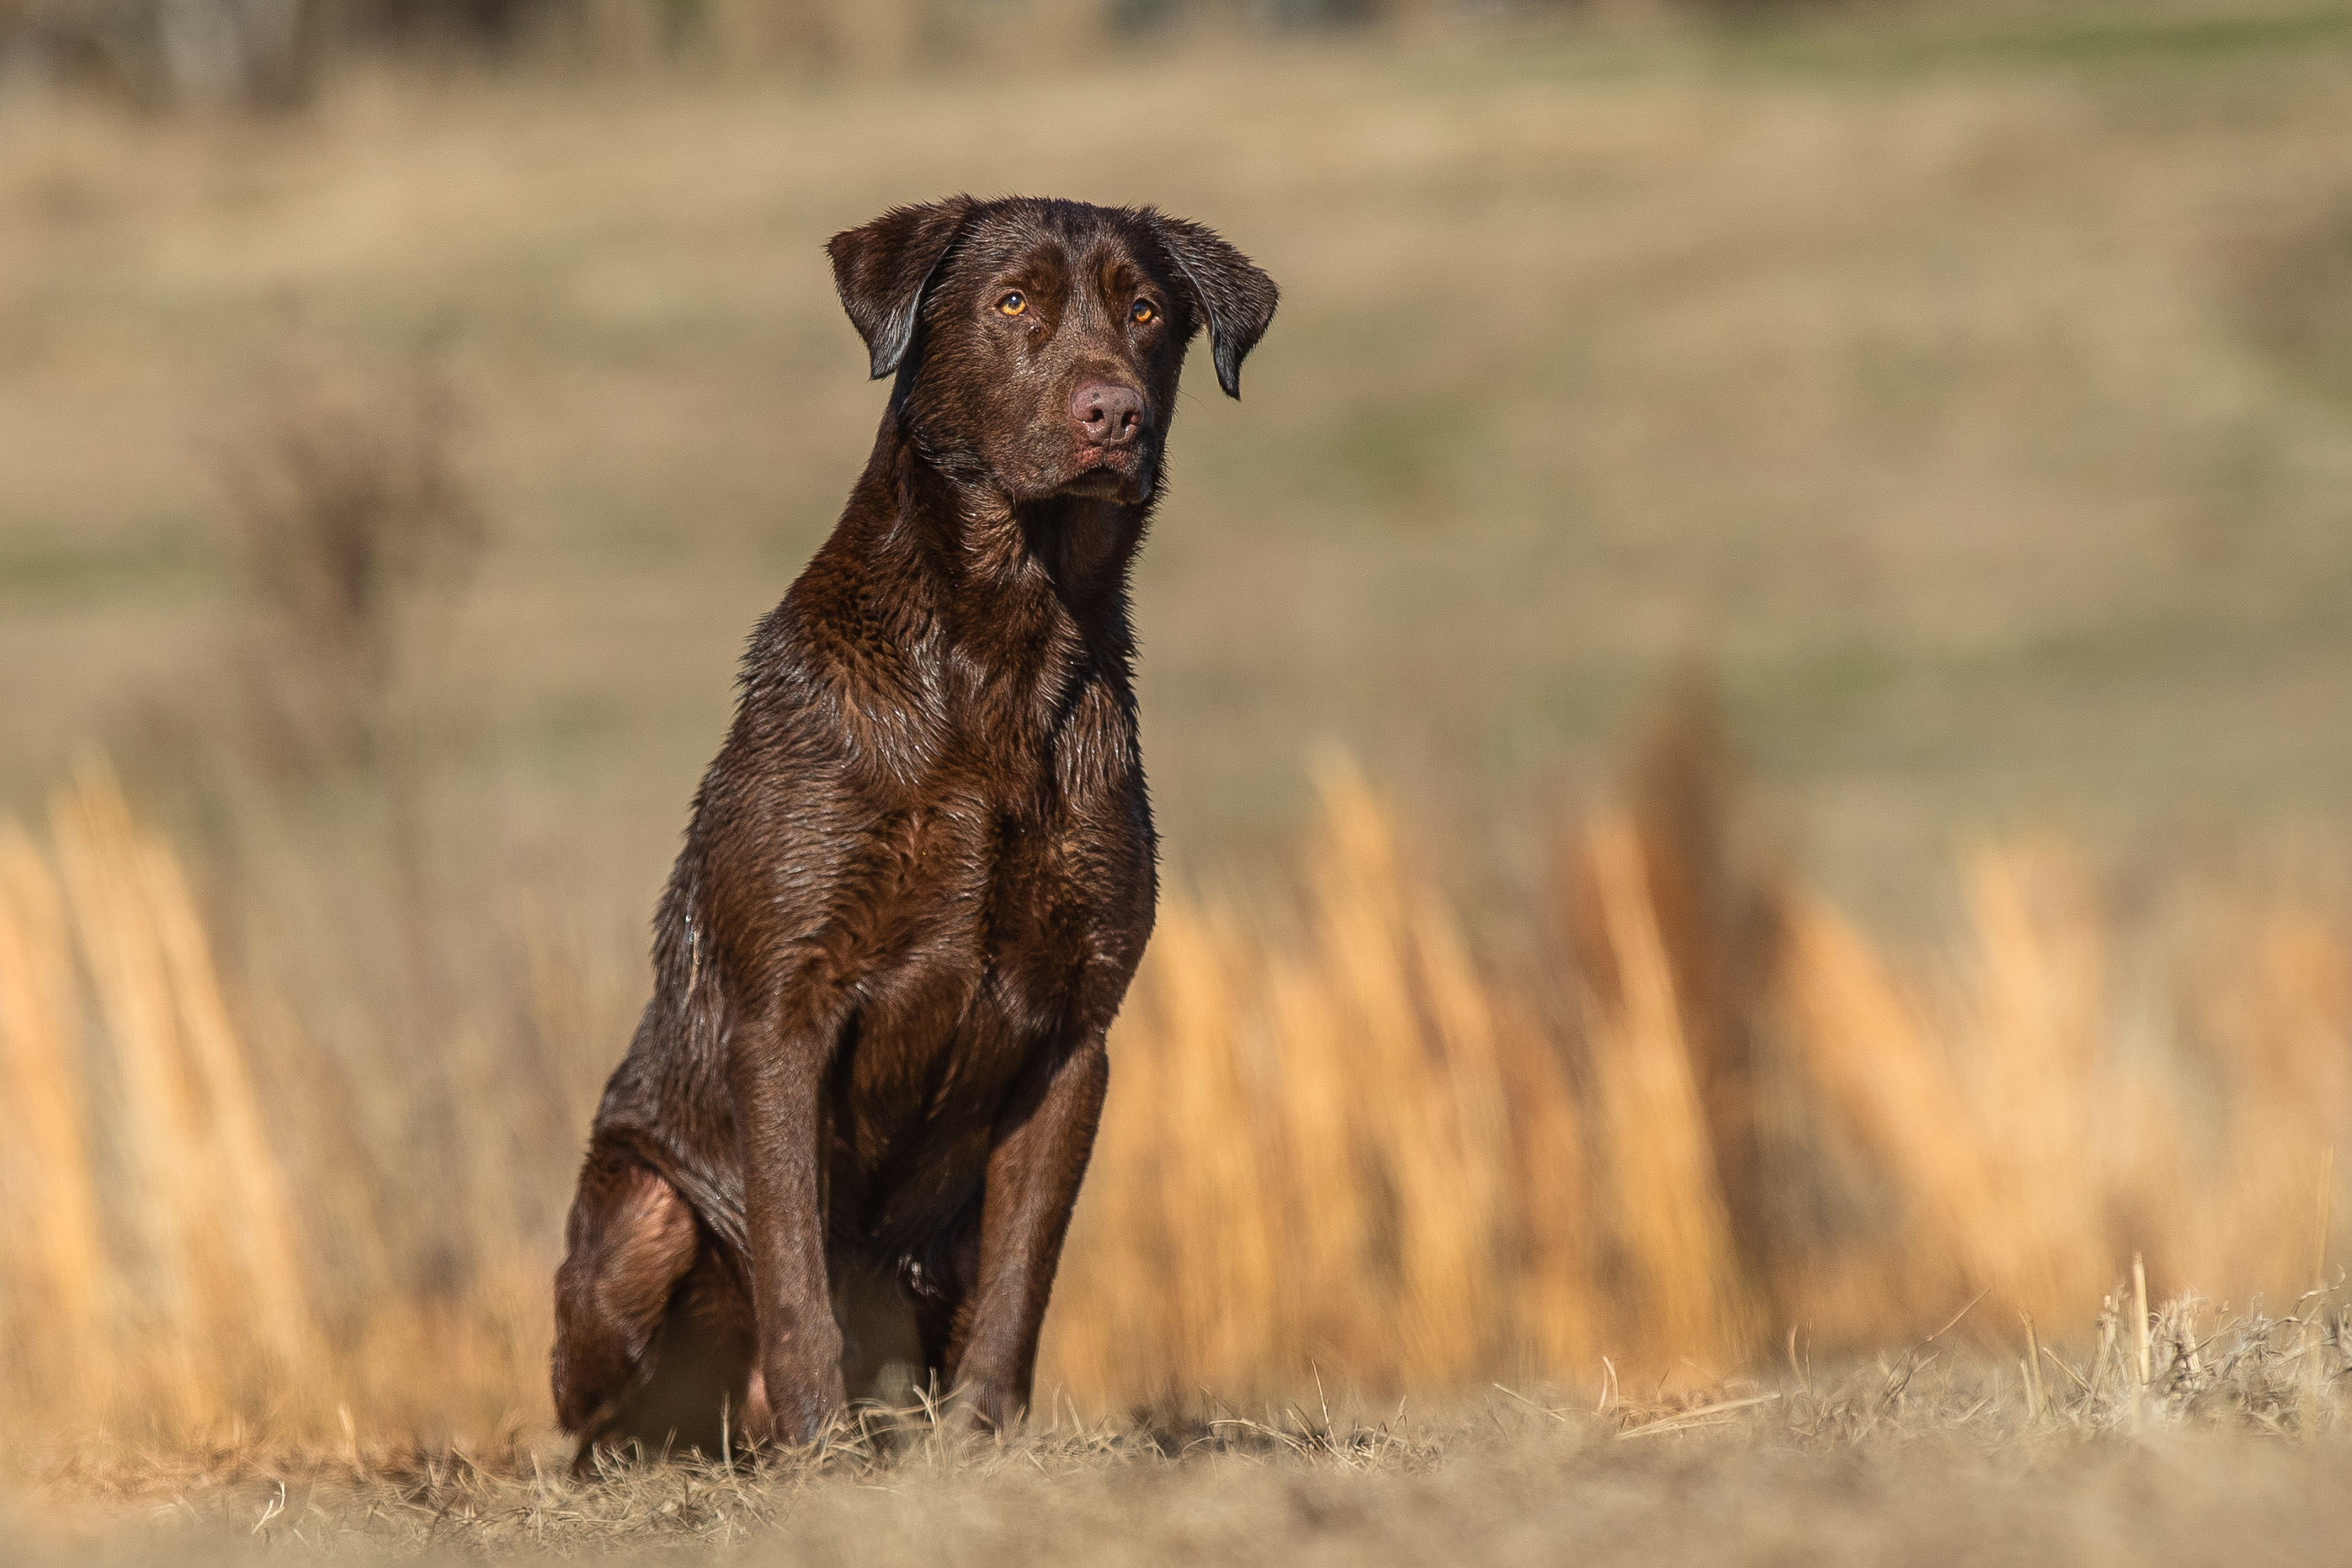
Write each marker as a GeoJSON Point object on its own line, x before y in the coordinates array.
{"type": "Point", "coordinates": [1971, 385]}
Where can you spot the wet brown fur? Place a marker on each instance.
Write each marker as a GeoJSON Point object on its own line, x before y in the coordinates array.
{"type": "Point", "coordinates": [919, 874]}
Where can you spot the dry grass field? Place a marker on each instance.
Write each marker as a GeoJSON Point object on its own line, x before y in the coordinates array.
{"type": "Point", "coordinates": [2232, 1448]}
{"type": "Point", "coordinates": [1541, 1053]}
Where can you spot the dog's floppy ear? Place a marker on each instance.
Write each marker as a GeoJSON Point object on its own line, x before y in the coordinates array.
{"type": "Point", "coordinates": [882, 269]}
{"type": "Point", "coordinates": [1236, 297]}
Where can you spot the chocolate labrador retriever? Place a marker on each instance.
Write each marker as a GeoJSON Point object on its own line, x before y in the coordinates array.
{"type": "Point", "coordinates": [920, 875]}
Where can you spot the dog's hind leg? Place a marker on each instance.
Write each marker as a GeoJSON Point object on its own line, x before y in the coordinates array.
{"type": "Point", "coordinates": [631, 1239]}
{"type": "Point", "coordinates": [695, 1378]}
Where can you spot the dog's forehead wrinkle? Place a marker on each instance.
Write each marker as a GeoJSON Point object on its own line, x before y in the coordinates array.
{"type": "Point", "coordinates": [1037, 262]}
{"type": "Point", "coordinates": [1113, 266]}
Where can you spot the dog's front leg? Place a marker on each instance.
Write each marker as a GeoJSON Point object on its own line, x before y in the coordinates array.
{"type": "Point", "coordinates": [775, 1071]}
{"type": "Point", "coordinates": [1042, 1141]}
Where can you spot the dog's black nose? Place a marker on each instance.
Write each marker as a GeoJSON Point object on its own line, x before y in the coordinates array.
{"type": "Point", "coordinates": [1108, 414]}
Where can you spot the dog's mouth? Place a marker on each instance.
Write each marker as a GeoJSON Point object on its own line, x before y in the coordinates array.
{"type": "Point", "coordinates": [1106, 472]}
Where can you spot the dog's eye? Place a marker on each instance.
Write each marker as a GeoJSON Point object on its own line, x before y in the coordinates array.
{"type": "Point", "coordinates": [1144, 312]}
{"type": "Point", "coordinates": [1014, 303]}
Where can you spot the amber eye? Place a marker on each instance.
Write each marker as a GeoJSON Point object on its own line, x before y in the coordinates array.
{"type": "Point", "coordinates": [1144, 312]}
{"type": "Point", "coordinates": [1014, 303]}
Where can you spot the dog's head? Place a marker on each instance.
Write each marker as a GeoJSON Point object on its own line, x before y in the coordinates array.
{"type": "Point", "coordinates": [1037, 343]}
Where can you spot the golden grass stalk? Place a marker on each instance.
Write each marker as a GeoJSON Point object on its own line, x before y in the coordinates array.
{"type": "Point", "coordinates": [164, 1175]}
{"type": "Point", "coordinates": [221, 1276]}
{"type": "Point", "coordinates": [2279, 1013]}
{"type": "Point", "coordinates": [1414, 1049]}
{"type": "Point", "coordinates": [1560, 1309]}
{"type": "Point", "coordinates": [1227, 1275]}
{"type": "Point", "coordinates": [50, 1239]}
{"type": "Point", "coordinates": [1867, 1051]}
{"type": "Point", "coordinates": [2032, 1084]}
{"type": "Point", "coordinates": [1671, 1220]}
{"type": "Point", "coordinates": [1311, 1156]}
{"type": "Point", "coordinates": [1183, 1139]}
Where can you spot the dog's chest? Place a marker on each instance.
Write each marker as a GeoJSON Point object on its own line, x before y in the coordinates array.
{"type": "Point", "coordinates": [1013, 926]}
{"type": "Point", "coordinates": [1011, 914]}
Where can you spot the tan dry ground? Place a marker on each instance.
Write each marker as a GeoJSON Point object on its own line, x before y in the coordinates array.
{"type": "Point", "coordinates": [1909, 1462]}
{"type": "Point", "coordinates": [1531, 1497]}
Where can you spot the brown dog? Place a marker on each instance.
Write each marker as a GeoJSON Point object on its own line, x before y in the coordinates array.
{"type": "Point", "coordinates": [921, 871]}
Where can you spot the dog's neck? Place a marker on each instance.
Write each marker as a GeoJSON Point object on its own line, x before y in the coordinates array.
{"type": "Point", "coordinates": [1045, 579]}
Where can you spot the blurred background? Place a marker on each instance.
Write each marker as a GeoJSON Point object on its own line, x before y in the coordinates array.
{"type": "Point", "coordinates": [1749, 719]}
